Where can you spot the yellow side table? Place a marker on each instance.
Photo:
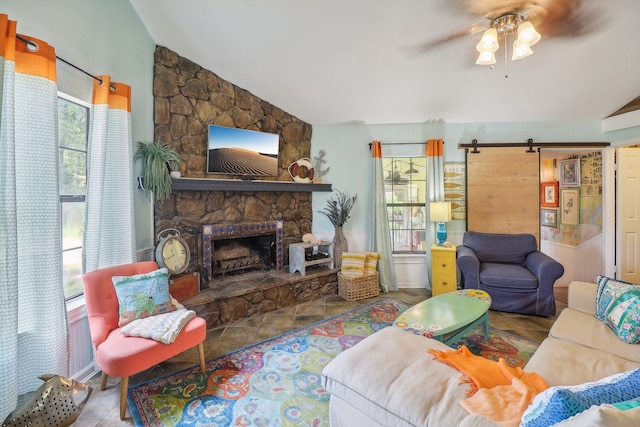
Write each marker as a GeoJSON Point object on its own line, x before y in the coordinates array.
{"type": "Point", "coordinates": [443, 269]}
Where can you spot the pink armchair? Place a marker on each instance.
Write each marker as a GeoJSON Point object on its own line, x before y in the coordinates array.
{"type": "Point", "coordinates": [121, 356]}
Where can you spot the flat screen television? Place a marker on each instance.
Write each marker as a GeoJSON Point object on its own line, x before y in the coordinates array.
{"type": "Point", "coordinates": [233, 151]}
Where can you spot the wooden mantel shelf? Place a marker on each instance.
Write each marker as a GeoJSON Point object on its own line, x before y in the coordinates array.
{"type": "Point", "coordinates": [206, 184]}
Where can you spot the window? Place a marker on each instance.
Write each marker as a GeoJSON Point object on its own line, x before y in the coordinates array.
{"type": "Point", "coordinates": [405, 181]}
{"type": "Point", "coordinates": [73, 121]}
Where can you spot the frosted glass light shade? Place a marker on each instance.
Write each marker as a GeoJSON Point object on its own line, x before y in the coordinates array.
{"type": "Point", "coordinates": [440, 211]}
{"type": "Point", "coordinates": [528, 34]}
{"type": "Point", "coordinates": [489, 41]}
{"type": "Point", "coordinates": [486, 58]}
{"type": "Point", "coordinates": [520, 50]}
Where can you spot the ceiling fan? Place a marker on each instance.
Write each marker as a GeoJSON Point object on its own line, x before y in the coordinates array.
{"type": "Point", "coordinates": [523, 21]}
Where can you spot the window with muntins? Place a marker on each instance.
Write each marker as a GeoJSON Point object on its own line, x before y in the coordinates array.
{"type": "Point", "coordinates": [73, 122]}
{"type": "Point", "coordinates": [405, 180]}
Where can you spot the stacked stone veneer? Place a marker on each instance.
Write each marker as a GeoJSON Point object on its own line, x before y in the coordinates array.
{"type": "Point", "coordinates": [187, 99]}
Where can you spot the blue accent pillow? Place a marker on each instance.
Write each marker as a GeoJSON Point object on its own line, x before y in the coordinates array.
{"type": "Point", "coordinates": [556, 404]}
{"type": "Point", "coordinates": [623, 316]}
{"type": "Point", "coordinates": [608, 290]}
{"type": "Point", "coordinates": [143, 295]}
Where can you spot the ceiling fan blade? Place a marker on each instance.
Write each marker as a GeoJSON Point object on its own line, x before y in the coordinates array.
{"type": "Point", "coordinates": [568, 18]}
{"type": "Point", "coordinates": [471, 30]}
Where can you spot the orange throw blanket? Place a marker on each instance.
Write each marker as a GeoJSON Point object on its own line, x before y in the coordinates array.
{"type": "Point", "coordinates": [498, 391]}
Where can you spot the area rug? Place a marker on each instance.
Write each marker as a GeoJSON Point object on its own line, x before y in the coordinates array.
{"type": "Point", "coordinates": [514, 349]}
{"type": "Point", "coordinates": [275, 382]}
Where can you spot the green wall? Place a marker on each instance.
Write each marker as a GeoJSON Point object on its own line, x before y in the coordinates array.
{"type": "Point", "coordinates": [347, 152]}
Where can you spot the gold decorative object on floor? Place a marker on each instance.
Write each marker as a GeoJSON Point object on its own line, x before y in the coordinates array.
{"type": "Point", "coordinates": [57, 402]}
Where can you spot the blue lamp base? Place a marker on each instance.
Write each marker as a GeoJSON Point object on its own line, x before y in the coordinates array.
{"type": "Point", "coordinates": [441, 234]}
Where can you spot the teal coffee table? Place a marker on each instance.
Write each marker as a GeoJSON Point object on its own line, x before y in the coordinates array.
{"type": "Point", "coordinates": [453, 313]}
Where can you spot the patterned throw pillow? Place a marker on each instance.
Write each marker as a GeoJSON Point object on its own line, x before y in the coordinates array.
{"type": "Point", "coordinates": [608, 290]}
{"type": "Point", "coordinates": [143, 295]}
{"type": "Point", "coordinates": [353, 264]}
{"type": "Point", "coordinates": [556, 404]}
{"type": "Point", "coordinates": [623, 316]}
{"type": "Point", "coordinates": [371, 262]}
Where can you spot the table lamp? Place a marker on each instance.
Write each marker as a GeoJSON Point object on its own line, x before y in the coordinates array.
{"type": "Point", "coordinates": [440, 212]}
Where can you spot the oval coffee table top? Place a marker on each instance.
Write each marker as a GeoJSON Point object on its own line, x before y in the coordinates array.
{"type": "Point", "coordinates": [444, 313]}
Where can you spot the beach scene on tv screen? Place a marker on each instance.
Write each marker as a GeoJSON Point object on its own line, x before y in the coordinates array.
{"type": "Point", "coordinates": [242, 152]}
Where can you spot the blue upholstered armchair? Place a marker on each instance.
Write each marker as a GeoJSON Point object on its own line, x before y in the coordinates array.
{"type": "Point", "coordinates": [510, 268]}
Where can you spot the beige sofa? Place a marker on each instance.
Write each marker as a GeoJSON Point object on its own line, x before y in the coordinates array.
{"type": "Point", "coordinates": [388, 379]}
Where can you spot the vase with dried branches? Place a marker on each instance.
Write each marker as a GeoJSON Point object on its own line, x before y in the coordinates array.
{"type": "Point", "coordinates": [337, 210]}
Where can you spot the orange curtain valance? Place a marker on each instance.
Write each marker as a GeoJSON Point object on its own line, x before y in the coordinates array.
{"type": "Point", "coordinates": [376, 149]}
{"type": "Point", "coordinates": [116, 95]}
{"type": "Point", "coordinates": [435, 147]}
{"type": "Point", "coordinates": [39, 62]}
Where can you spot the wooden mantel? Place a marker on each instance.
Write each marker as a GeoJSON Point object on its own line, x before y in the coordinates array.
{"type": "Point", "coordinates": [207, 184]}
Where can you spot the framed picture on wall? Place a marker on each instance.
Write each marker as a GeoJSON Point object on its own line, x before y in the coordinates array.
{"type": "Point", "coordinates": [570, 173]}
{"type": "Point", "coordinates": [570, 206]}
{"type": "Point", "coordinates": [549, 194]}
{"type": "Point", "coordinates": [549, 217]}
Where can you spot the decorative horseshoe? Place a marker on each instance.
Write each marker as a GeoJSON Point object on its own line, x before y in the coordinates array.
{"type": "Point", "coordinates": [294, 168]}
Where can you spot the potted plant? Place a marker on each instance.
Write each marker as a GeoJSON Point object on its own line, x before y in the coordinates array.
{"type": "Point", "coordinates": [158, 158]}
{"type": "Point", "coordinates": [337, 211]}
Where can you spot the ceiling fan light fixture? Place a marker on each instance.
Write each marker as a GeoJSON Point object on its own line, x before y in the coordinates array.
{"type": "Point", "coordinates": [488, 42]}
{"type": "Point", "coordinates": [528, 34]}
{"type": "Point", "coordinates": [521, 50]}
{"type": "Point", "coordinates": [486, 58]}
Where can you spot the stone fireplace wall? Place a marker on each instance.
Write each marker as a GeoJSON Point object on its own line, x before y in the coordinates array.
{"type": "Point", "coordinates": [188, 98]}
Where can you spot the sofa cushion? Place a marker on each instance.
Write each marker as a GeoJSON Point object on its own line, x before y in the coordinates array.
{"type": "Point", "coordinates": [556, 404]}
{"type": "Point", "coordinates": [562, 362]}
{"type": "Point", "coordinates": [623, 316]}
{"type": "Point", "coordinates": [507, 276]}
{"type": "Point", "coordinates": [588, 331]}
{"type": "Point", "coordinates": [390, 376]}
{"type": "Point", "coordinates": [624, 414]}
{"type": "Point", "coordinates": [502, 248]}
{"type": "Point", "coordinates": [608, 290]}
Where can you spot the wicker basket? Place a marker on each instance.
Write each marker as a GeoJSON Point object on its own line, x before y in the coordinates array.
{"type": "Point", "coordinates": [358, 287]}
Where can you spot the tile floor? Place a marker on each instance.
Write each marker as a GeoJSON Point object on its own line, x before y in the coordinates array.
{"type": "Point", "coordinates": [103, 406]}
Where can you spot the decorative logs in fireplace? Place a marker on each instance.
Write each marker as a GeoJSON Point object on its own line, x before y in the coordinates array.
{"type": "Point", "coordinates": [266, 238]}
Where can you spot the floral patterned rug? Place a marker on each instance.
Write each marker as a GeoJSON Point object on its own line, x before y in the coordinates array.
{"type": "Point", "coordinates": [277, 382]}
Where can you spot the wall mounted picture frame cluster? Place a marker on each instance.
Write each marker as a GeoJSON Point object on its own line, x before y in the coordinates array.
{"type": "Point", "coordinates": [549, 194]}
{"type": "Point", "coordinates": [549, 217]}
{"type": "Point", "coordinates": [570, 172]}
{"type": "Point", "coordinates": [570, 206]}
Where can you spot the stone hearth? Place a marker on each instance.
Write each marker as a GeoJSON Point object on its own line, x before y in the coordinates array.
{"type": "Point", "coordinates": [241, 296]}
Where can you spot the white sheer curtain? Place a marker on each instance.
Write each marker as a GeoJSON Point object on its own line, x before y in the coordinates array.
{"type": "Point", "coordinates": [109, 233]}
{"type": "Point", "coordinates": [379, 236]}
{"type": "Point", "coordinates": [435, 191]}
{"type": "Point", "coordinates": [33, 336]}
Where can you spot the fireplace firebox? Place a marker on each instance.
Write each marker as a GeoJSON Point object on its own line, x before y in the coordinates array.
{"type": "Point", "coordinates": [232, 248]}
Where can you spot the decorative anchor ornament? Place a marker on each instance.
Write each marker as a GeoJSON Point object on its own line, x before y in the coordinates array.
{"type": "Point", "coordinates": [319, 160]}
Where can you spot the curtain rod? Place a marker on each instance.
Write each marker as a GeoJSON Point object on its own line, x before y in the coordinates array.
{"type": "Point", "coordinates": [530, 143]}
{"type": "Point", "coordinates": [401, 143]}
{"type": "Point", "coordinates": [34, 47]}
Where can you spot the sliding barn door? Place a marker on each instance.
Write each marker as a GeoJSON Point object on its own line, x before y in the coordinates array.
{"type": "Point", "coordinates": [503, 191]}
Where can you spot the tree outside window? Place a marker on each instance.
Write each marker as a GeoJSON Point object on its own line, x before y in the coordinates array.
{"type": "Point", "coordinates": [73, 120]}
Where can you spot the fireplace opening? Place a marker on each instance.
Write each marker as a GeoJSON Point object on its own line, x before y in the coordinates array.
{"type": "Point", "coordinates": [243, 254]}
{"type": "Point", "coordinates": [245, 246]}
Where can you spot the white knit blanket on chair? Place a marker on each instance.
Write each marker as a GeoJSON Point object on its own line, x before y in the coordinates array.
{"type": "Point", "coordinates": [163, 327]}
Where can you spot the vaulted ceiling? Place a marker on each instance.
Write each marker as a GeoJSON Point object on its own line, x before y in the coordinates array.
{"type": "Point", "coordinates": [336, 61]}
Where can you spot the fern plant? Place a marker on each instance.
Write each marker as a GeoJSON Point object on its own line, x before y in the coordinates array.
{"type": "Point", "coordinates": [157, 157]}
{"type": "Point", "coordinates": [338, 208]}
